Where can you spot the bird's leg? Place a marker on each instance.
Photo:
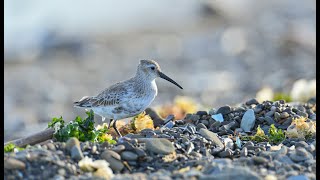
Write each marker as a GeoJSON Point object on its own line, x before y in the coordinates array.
{"type": "Point", "coordinates": [115, 128]}
{"type": "Point", "coordinates": [110, 123]}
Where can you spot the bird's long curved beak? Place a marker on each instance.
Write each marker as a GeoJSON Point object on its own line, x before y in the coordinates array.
{"type": "Point", "coordinates": [163, 76]}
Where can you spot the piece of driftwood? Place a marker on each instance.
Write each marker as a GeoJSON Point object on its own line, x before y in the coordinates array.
{"type": "Point", "coordinates": [157, 120]}
{"type": "Point", "coordinates": [33, 139]}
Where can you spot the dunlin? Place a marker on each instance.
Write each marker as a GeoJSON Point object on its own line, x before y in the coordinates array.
{"type": "Point", "coordinates": [127, 98]}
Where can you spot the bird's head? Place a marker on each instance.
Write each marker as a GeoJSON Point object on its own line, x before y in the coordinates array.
{"type": "Point", "coordinates": [150, 69]}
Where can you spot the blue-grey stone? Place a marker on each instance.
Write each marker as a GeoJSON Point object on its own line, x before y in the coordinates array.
{"type": "Point", "coordinates": [76, 153]}
{"type": "Point", "coordinates": [218, 117]}
{"type": "Point", "coordinates": [211, 136]}
{"type": "Point", "coordinates": [299, 177]}
{"type": "Point", "coordinates": [248, 120]}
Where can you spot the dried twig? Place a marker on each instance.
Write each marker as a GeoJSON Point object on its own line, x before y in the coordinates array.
{"type": "Point", "coordinates": [33, 139]}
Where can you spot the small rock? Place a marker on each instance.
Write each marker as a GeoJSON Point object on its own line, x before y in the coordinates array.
{"type": "Point", "coordinates": [298, 177]}
{"type": "Point", "coordinates": [114, 159]}
{"type": "Point", "coordinates": [301, 144]}
{"type": "Point", "coordinates": [288, 121]}
{"type": "Point", "coordinates": [226, 153]}
{"type": "Point", "coordinates": [72, 142]}
{"type": "Point", "coordinates": [248, 120]}
{"type": "Point", "coordinates": [231, 125]}
{"type": "Point", "coordinates": [311, 148]}
{"type": "Point", "coordinates": [94, 149]}
{"type": "Point", "coordinates": [119, 148]}
{"type": "Point", "coordinates": [260, 120]}
{"type": "Point", "coordinates": [103, 173]}
{"type": "Point", "coordinates": [251, 152]}
{"type": "Point", "coordinates": [283, 127]}
{"type": "Point", "coordinates": [190, 128]}
{"type": "Point", "coordinates": [216, 150]}
{"type": "Point", "coordinates": [76, 153]}
{"type": "Point", "coordinates": [313, 116]}
{"type": "Point", "coordinates": [202, 113]}
{"type": "Point", "coordinates": [300, 154]}
{"type": "Point", "coordinates": [190, 148]}
{"type": "Point", "coordinates": [62, 172]}
{"type": "Point", "coordinates": [11, 163]}
{"type": "Point", "coordinates": [252, 101]}
{"type": "Point", "coordinates": [269, 120]}
{"type": "Point", "coordinates": [273, 108]}
{"type": "Point", "coordinates": [228, 143]}
{"type": "Point", "coordinates": [275, 148]}
{"type": "Point", "coordinates": [259, 160]}
{"type": "Point", "coordinates": [301, 108]}
{"type": "Point", "coordinates": [215, 125]}
{"type": "Point", "coordinates": [238, 142]}
{"type": "Point", "coordinates": [244, 152]}
{"type": "Point", "coordinates": [105, 145]}
{"type": "Point", "coordinates": [277, 116]}
{"type": "Point", "coordinates": [270, 177]}
{"type": "Point", "coordinates": [192, 118]}
{"type": "Point", "coordinates": [285, 159]}
{"type": "Point", "coordinates": [169, 125]}
{"type": "Point", "coordinates": [257, 109]}
{"type": "Point", "coordinates": [269, 114]}
{"type": "Point", "coordinates": [224, 110]}
{"type": "Point", "coordinates": [218, 117]}
{"type": "Point", "coordinates": [249, 143]}
{"type": "Point", "coordinates": [211, 136]}
{"type": "Point", "coordinates": [128, 146]}
{"type": "Point", "coordinates": [236, 152]}
{"type": "Point", "coordinates": [238, 130]}
{"type": "Point", "coordinates": [205, 152]}
{"type": "Point", "coordinates": [201, 125]}
{"type": "Point", "coordinates": [205, 122]}
{"type": "Point", "coordinates": [284, 115]}
{"type": "Point", "coordinates": [51, 147]}
{"type": "Point", "coordinates": [129, 156]}
{"type": "Point", "coordinates": [303, 114]}
{"type": "Point", "coordinates": [109, 153]}
{"type": "Point", "coordinates": [140, 152]}
{"type": "Point", "coordinates": [160, 146]}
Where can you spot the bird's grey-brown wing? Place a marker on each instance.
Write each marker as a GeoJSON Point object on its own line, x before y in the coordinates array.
{"type": "Point", "coordinates": [111, 96]}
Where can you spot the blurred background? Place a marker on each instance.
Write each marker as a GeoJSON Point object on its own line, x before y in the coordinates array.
{"type": "Point", "coordinates": [221, 52]}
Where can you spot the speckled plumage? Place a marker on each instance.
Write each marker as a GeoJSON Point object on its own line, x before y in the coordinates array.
{"type": "Point", "coordinates": [127, 98]}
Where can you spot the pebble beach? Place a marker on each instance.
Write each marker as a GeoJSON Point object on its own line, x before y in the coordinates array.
{"type": "Point", "coordinates": [202, 145]}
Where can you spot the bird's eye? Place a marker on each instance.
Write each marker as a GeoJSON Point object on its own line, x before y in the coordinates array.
{"type": "Point", "coordinates": [152, 68]}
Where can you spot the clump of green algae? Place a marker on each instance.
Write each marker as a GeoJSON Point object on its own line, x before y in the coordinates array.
{"type": "Point", "coordinates": [275, 135]}
{"type": "Point", "coordinates": [83, 129]}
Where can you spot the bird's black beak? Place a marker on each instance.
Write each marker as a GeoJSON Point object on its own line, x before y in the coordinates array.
{"type": "Point", "coordinates": [163, 76]}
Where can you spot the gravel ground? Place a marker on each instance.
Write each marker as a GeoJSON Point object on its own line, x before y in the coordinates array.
{"type": "Point", "coordinates": [196, 147]}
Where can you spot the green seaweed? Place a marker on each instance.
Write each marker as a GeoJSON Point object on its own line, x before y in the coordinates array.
{"type": "Point", "coordinates": [275, 135]}
{"type": "Point", "coordinates": [10, 148]}
{"type": "Point", "coordinates": [83, 129]}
